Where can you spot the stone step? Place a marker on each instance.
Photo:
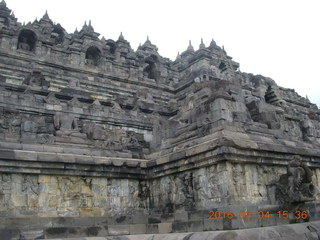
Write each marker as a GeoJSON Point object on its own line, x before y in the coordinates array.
{"type": "Point", "coordinates": [299, 231]}
{"type": "Point", "coordinates": [167, 231]}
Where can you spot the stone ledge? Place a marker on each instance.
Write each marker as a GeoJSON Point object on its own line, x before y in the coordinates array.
{"type": "Point", "coordinates": [23, 155]}
{"type": "Point", "coordinates": [225, 137]}
{"type": "Point", "coordinates": [299, 231]}
{"type": "Point", "coordinates": [21, 161]}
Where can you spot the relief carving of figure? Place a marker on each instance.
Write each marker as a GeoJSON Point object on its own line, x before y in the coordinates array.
{"type": "Point", "coordinates": [66, 125]}
{"type": "Point", "coordinates": [183, 194]}
{"type": "Point", "coordinates": [295, 186]}
{"type": "Point", "coordinates": [24, 44]}
{"type": "Point", "coordinates": [36, 79]}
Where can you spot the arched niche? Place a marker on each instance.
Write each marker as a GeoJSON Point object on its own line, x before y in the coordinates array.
{"type": "Point", "coordinates": [222, 66]}
{"type": "Point", "coordinates": [57, 35]}
{"type": "Point", "coordinates": [4, 21]}
{"type": "Point", "coordinates": [27, 40]}
{"type": "Point", "coordinates": [151, 70]}
{"type": "Point", "coordinates": [93, 55]}
{"type": "Point", "coordinates": [112, 47]}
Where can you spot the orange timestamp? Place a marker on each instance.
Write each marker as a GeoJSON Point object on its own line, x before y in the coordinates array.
{"type": "Point", "coordinates": [258, 215]}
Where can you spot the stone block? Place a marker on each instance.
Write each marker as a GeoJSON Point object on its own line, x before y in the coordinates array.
{"type": "Point", "coordinates": [62, 222]}
{"type": "Point", "coordinates": [89, 212]}
{"type": "Point", "coordinates": [167, 217]}
{"type": "Point", "coordinates": [76, 232]}
{"type": "Point", "coordinates": [139, 219]}
{"type": "Point", "coordinates": [281, 221]}
{"type": "Point", "coordinates": [84, 159]}
{"type": "Point", "coordinates": [7, 154]}
{"type": "Point", "coordinates": [177, 155]}
{"type": "Point", "coordinates": [77, 110]}
{"type": "Point", "coordinates": [9, 234]}
{"type": "Point", "coordinates": [195, 226]}
{"type": "Point", "coordinates": [47, 157]}
{"type": "Point", "coordinates": [270, 221]}
{"type": "Point", "coordinates": [180, 226]}
{"type": "Point", "coordinates": [25, 155]}
{"type": "Point", "coordinates": [101, 160]}
{"type": "Point", "coordinates": [116, 230]}
{"type": "Point", "coordinates": [54, 149]}
{"type": "Point", "coordinates": [59, 232]}
{"type": "Point", "coordinates": [165, 227]}
{"type": "Point", "coordinates": [32, 147]}
{"type": "Point", "coordinates": [152, 229]}
{"type": "Point", "coordinates": [212, 224]}
{"type": "Point", "coordinates": [138, 229]}
{"type": "Point", "coordinates": [67, 158]}
{"type": "Point", "coordinates": [83, 221]}
{"type": "Point", "coordinates": [197, 215]}
{"type": "Point", "coordinates": [30, 235]}
{"type": "Point", "coordinates": [181, 216]}
{"type": "Point", "coordinates": [122, 219]}
{"type": "Point", "coordinates": [57, 107]}
{"type": "Point", "coordinates": [154, 219]}
{"type": "Point", "coordinates": [49, 106]}
{"type": "Point", "coordinates": [11, 145]}
{"type": "Point", "coordinates": [77, 151]}
{"type": "Point", "coordinates": [94, 231]}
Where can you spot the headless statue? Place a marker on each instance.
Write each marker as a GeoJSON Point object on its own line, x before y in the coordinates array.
{"type": "Point", "coordinates": [66, 125]}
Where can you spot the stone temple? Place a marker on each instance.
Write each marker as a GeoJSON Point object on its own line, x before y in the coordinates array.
{"type": "Point", "coordinates": [99, 140]}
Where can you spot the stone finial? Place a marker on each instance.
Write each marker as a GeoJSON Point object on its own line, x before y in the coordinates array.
{"type": "Point", "coordinates": [3, 4]}
{"type": "Point", "coordinates": [190, 47]}
{"type": "Point", "coordinates": [178, 56]}
{"type": "Point", "coordinates": [46, 14]}
{"type": "Point", "coordinates": [87, 28]}
{"type": "Point", "coordinates": [213, 43]}
{"type": "Point", "coordinates": [202, 46]}
{"type": "Point", "coordinates": [5, 11]}
{"type": "Point", "coordinates": [121, 36]}
{"type": "Point", "coordinates": [45, 17]}
{"type": "Point", "coordinates": [148, 41]}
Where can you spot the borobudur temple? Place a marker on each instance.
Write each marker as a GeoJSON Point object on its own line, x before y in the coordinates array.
{"type": "Point", "coordinates": [97, 139]}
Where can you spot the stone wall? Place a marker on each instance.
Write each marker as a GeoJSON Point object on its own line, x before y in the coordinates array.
{"type": "Point", "coordinates": [221, 185]}
{"type": "Point", "coordinates": [68, 196]}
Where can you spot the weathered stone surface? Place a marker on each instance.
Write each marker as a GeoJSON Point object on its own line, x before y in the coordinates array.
{"type": "Point", "coordinates": [295, 186]}
{"type": "Point", "coordinates": [284, 233]}
{"type": "Point", "coordinates": [90, 128]}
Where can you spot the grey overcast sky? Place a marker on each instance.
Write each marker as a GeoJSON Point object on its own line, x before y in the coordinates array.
{"type": "Point", "coordinates": [275, 38]}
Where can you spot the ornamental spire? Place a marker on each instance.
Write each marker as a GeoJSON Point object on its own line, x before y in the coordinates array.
{"type": "Point", "coordinates": [190, 47]}
{"type": "Point", "coordinates": [202, 46]}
